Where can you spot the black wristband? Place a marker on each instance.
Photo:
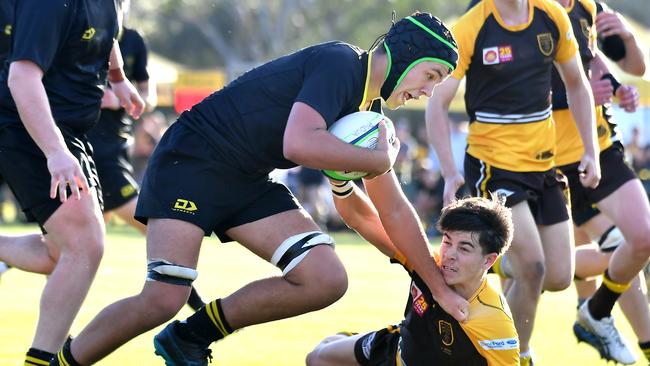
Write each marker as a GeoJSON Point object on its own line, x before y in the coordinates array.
{"type": "Point", "coordinates": [612, 79]}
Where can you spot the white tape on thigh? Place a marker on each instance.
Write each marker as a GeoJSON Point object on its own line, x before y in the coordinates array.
{"type": "Point", "coordinates": [295, 248]}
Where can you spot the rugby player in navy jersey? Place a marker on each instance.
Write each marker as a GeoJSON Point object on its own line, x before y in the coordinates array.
{"type": "Point", "coordinates": [50, 92]}
{"type": "Point", "coordinates": [112, 137]}
{"type": "Point", "coordinates": [475, 231]}
{"type": "Point", "coordinates": [210, 173]}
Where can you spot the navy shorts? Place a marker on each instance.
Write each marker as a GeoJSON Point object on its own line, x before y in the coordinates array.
{"type": "Point", "coordinates": [24, 167]}
{"type": "Point", "coordinates": [543, 190]}
{"type": "Point", "coordinates": [378, 348]}
{"type": "Point", "coordinates": [615, 173]}
{"type": "Point", "coordinates": [187, 179]}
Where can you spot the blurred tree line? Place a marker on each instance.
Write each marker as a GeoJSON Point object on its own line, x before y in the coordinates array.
{"type": "Point", "coordinates": [238, 34]}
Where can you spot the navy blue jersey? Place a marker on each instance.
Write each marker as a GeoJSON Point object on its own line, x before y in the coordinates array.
{"type": "Point", "coordinates": [71, 41]}
{"type": "Point", "coordinates": [246, 120]}
{"type": "Point", "coordinates": [582, 14]}
{"type": "Point", "coordinates": [613, 46]}
{"type": "Point", "coordinates": [6, 18]}
{"type": "Point", "coordinates": [134, 54]}
{"type": "Point", "coordinates": [114, 128]}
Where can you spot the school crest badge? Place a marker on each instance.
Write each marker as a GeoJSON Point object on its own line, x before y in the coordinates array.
{"type": "Point", "coordinates": [446, 332]}
{"type": "Point", "coordinates": [545, 43]}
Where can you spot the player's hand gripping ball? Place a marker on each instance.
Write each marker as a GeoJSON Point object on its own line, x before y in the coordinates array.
{"type": "Point", "coordinates": [359, 129]}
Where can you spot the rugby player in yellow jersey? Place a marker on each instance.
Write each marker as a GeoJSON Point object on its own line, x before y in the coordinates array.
{"type": "Point", "coordinates": [475, 231]}
{"type": "Point", "coordinates": [617, 188]}
{"type": "Point", "coordinates": [507, 49]}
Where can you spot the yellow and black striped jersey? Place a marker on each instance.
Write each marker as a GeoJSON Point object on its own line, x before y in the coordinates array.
{"type": "Point", "coordinates": [508, 70]}
{"type": "Point", "coordinates": [569, 147]}
{"type": "Point", "coordinates": [430, 336]}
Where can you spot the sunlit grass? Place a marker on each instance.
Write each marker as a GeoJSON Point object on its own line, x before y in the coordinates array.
{"type": "Point", "coordinates": [375, 298]}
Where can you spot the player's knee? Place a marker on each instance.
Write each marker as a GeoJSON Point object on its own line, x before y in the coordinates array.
{"type": "Point", "coordinates": [314, 358]}
{"type": "Point", "coordinates": [162, 305]}
{"type": "Point", "coordinates": [332, 286]}
{"type": "Point", "coordinates": [640, 240]}
{"type": "Point", "coordinates": [557, 281]}
{"type": "Point", "coordinates": [533, 272]}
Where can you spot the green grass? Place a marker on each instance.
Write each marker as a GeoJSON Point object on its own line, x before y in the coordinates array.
{"type": "Point", "coordinates": [375, 298]}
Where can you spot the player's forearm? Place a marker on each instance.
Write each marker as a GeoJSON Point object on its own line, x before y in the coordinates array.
{"type": "Point", "coordinates": [439, 136]}
{"type": "Point", "coordinates": [634, 61]}
{"type": "Point", "coordinates": [406, 233]}
{"type": "Point", "coordinates": [147, 92]}
{"type": "Point", "coordinates": [361, 216]}
{"type": "Point", "coordinates": [33, 106]}
{"type": "Point", "coordinates": [581, 103]}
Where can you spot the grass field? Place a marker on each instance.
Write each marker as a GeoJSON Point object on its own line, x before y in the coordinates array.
{"type": "Point", "coordinates": [375, 298]}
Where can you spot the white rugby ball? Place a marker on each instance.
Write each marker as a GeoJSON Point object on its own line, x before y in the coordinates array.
{"type": "Point", "coordinates": [360, 129]}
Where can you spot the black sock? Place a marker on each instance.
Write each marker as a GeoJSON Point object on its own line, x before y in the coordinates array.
{"type": "Point", "coordinates": [195, 301]}
{"type": "Point", "coordinates": [37, 357]}
{"type": "Point", "coordinates": [602, 303]}
{"type": "Point", "coordinates": [645, 347]}
{"type": "Point", "coordinates": [64, 357]}
{"type": "Point", "coordinates": [206, 325]}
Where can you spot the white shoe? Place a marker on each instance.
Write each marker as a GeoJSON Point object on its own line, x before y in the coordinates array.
{"type": "Point", "coordinates": [3, 268]}
{"type": "Point", "coordinates": [614, 346]}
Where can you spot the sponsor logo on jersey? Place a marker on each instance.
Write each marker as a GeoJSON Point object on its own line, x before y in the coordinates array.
{"type": "Point", "coordinates": [446, 332]}
{"type": "Point", "coordinates": [502, 344]}
{"type": "Point", "coordinates": [8, 29]}
{"type": "Point", "coordinates": [88, 34]}
{"type": "Point", "coordinates": [491, 56]}
{"type": "Point", "coordinates": [420, 305]}
{"type": "Point", "coordinates": [497, 55]}
{"type": "Point", "coordinates": [185, 206]}
{"type": "Point", "coordinates": [546, 44]}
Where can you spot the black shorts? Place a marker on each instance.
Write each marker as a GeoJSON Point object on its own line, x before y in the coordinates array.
{"type": "Point", "coordinates": [378, 348]}
{"type": "Point", "coordinates": [24, 166]}
{"type": "Point", "coordinates": [187, 179]}
{"type": "Point", "coordinates": [615, 173]}
{"type": "Point", "coordinates": [115, 170]}
{"type": "Point", "coordinates": [542, 190]}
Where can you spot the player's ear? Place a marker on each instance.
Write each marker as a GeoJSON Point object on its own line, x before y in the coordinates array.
{"type": "Point", "coordinates": [489, 260]}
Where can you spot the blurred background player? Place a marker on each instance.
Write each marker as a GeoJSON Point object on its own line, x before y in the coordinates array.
{"type": "Point", "coordinates": [511, 139]}
{"type": "Point", "coordinates": [475, 231]}
{"type": "Point", "coordinates": [52, 44]}
{"type": "Point", "coordinates": [112, 137]}
{"type": "Point", "coordinates": [618, 187]}
{"type": "Point", "coordinates": [210, 173]}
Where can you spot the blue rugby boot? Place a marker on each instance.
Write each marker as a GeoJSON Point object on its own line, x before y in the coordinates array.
{"type": "Point", "coordinates": [178, 352]}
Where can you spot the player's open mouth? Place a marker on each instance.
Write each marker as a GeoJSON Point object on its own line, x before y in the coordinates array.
{"type": "Point", "coordinates": [448, 269]}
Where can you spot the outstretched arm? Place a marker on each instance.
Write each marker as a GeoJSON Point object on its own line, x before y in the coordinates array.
{"type": "Point", "coordinates": [402, 225]}
{"type": "Point", "coordinates": [437, 120]}
{"type": "Point", "coordinates": [359, 214]}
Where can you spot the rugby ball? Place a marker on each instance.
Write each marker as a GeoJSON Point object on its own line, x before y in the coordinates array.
{"type": "Point", "coordinates": [359, 129]}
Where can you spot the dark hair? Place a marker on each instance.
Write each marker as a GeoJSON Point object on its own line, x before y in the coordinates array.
{"type": "Point", "coordinates": [487, 218]}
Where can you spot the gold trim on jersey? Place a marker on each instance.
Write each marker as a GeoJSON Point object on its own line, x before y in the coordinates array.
{"type": "Point", "coordinates": [365, 88]}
